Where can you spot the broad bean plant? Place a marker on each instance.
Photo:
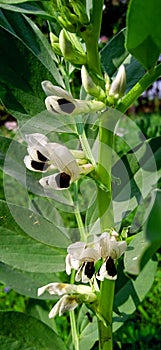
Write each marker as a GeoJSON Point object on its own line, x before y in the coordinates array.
{"type": "Point", "coordinates": [79, 222]}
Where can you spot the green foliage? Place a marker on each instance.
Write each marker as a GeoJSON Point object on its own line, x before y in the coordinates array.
{"type": "Point", "coordinates": [143, 34]}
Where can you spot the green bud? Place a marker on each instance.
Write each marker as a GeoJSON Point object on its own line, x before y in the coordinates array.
{"type": "Point", "coordinates": [55, 43]}
{"type": "Point", "coordinates": [71, 48]}
{"type": "Point", "coordinates": [80, 11]}
{"type": "Point", "coordinates": [90, 87]}
{"type": "Point", "coordinates": [107, 82]}
{"type": "Point", "coordinates": [66, 18]}
{"type": "Point", "coordinates": [118, 85]}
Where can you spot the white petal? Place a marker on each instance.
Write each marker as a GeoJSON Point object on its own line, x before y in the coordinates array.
{"type": "Point", "coordinates": [76, 249]}
{"type": "Point", "coordinates": [58, 105]}
{"type": "Point", "coordinates": [117, 248]}
{"type": "Point", "coordinates": [53, 90]}
{"type": "Point", "coordinates": [103, 273]}
{"type": "Point", "coordinates": [71, 264]}
{"type": "Point", "coordinates": [55, 181]}
{"type": "Point", "coordinates": [68, 303]}
{"type": "Point", "coordinates": [41, 167]}
{"type": "Point", "coordinates": [55, 310]}
{"type": "Point", "coordinates": [36, 139]}
{"type": "Point", "coordinates": [105, 244]}
{"type": "Point", "coordinates": [64, 160]}
{"type": "Point", "coordinates": [34, 152]}
{"type": "Point", "coordinates": [90, 254]}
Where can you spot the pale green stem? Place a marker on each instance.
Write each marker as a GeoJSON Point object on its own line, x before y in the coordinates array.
{"type": "Point", "coordinates": [86, 148]}
{"type": "Point", "coordinates": [74, 330]}
{"type": "Point", "coordinates": [106, 222]}
{"type": "Point", "coordinates": [75, 339]}
{"type": "Point", "coordinates": [83, 235]}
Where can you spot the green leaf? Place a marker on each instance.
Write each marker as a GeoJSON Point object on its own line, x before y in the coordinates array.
{"type": "Point", "coordinates": [15, 1]}
{"type": "Point", "coordinates": [87, 325]}
{"type": "Point", "coordinates": [131, 293]}
{"type": "Point", "coordinates": [24, 253]}
{"type": "Point", "coordinates": [29, 8]}
{"type": "Point", "coordinates": [24, 64]}
{"type": "Point", "coordinates": [26, 283]}
{"type": "Point", "coordinates": [17, 218]}
{"type": "Point", "coordinates": [138, 172]}
{"type": "Point", "coordinates": [152, 228]}
{"type": "Point", "coordinates": [143, 31]}
{"type": "Point", "coordinates": [19, 331]}
{"type": "Point", "coordinates": [133, 254]}
{"type": "Point", "coordinates": [114, 54]}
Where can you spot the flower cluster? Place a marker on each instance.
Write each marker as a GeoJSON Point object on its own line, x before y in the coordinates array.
{"type": "Point", "coordinates": [82, 257]}
{"type": "Point", "coordinates": [44, 155]}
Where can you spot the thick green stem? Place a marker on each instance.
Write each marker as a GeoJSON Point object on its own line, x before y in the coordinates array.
{"type": "Point", "coordinates": [139, 88]}
{"type": "Point", "coordinates": [106, 309]}
{"type": "Point", "coordinates": [106, 222]}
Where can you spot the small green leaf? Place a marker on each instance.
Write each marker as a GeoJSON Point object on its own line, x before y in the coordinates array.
{"type": "Point", "coordinates": [19, 331]}
{"type": "Point", "coordinates": [134, 253]}
{"type": "Point", "coordinates": [143, 31]}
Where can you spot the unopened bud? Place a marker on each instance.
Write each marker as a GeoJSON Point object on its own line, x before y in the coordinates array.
{"type": "Point", "coordinates": [107, 82]}
{"type": "Point", "coordinates": [80, 10]}
{"type": "Point", "coordinates": [71, 48]}
{"type": "Point", "coordinates": [55, 43]}
{"type": "Point", "coordinates": [89, 85]}
{"type": "Point", "coordinates": [118, 86]}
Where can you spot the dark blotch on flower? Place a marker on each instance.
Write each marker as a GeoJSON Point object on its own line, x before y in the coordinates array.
{"type": "Point", "coordinates": [41, 166]}
{"type": "Point", "coordinates": [89, 269]}
{"type": "Point", "coordinates": [110, 267]}
{"type": "Point", "coordinates": [41, 157]}
{"type": "Point", "coordinates": [66, 106]}
{"type": "Point", "coordinates": [63, 180]}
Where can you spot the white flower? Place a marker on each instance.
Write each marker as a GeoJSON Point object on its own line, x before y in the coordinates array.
{"type": "Point", "coordinates": [111, 249]}
{"type": "Point", "coordinates": [118, 85]}
{"type": "Point", "coordinates": [44, 155]}
{"type": "Point", "coordinates": [82, 257]}
{"type": "Point", "coordinates": [77, 295]}
{"type": "Point", "coordinates": [59, 101]}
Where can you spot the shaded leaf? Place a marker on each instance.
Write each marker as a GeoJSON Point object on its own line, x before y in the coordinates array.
{"type": "Point", "coordinates": [152, 228]}
{"type": "Point", "coordinates": [19, 331]}
{"type": "Point", "coordinates": [26, 283]}
{"type": "Point", "coordinates": [24, 63]}
{"type": "Point", "coordinates": [132, 292]}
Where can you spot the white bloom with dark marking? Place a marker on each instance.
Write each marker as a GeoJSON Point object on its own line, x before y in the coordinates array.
{"type": "Point", "coordinates": [44, 155]}
{"type": "Point", "coordinates": [111, 250]}
{"type": "Point", "coordinates": [82, 257]}
{"type": "Point", "coordinates": [61, 102]}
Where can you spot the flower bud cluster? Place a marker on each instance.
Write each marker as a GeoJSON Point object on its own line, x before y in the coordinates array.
{"type": "Point", "coordinates": [112, 92]}
{"type": "Point", "coordinates": [72, 15]}
{"type": "Point", "coordinates": [82, 257]}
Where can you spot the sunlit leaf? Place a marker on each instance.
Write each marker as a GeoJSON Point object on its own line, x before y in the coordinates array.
{"type": "Point", "coordinates": [143, 31]}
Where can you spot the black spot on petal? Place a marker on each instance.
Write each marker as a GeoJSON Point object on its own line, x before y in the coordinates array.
{"type": "Point", "coordinates": [41, 166]}
{"type": "Point", "coordinates": [63, 180]}
{"type": "Point", "coordinates": [89, 269]}
{"type": "Point", "coordinates": [66, 106]}
{"type": "Point", "coordinates": [41, 157]}
{"type": "Point", "coordinates": [110, 267]}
